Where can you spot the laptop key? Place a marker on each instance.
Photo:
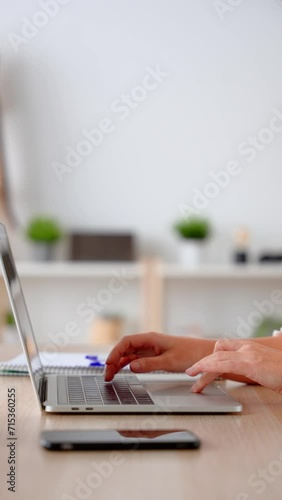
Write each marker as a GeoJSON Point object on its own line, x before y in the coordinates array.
{"type": "Point", "coordinates": [94, 403]}
{"type": "Point", "coordinates": [95, 391]}
{"type": "Point", "coordinates": [131, 402]}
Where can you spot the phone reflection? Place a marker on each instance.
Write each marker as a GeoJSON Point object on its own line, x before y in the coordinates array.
{"type": "Point", "coordinates": [147, 434]}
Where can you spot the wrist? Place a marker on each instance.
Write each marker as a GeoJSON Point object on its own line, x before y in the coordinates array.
{"type": "Point", "coordinates": [200, 348]}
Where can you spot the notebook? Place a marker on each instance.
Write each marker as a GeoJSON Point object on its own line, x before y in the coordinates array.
{"type": "Point", "coordinates": [75, 363]}
{"type": "Point", "coordinates": [62, 363]}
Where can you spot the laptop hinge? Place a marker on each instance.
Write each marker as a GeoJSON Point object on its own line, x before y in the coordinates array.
{"type": "Point", "coordinates": [43, 388]}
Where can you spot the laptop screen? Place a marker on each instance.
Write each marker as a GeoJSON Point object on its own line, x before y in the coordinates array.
{"type": "Point", "coordinates": [19, 309]}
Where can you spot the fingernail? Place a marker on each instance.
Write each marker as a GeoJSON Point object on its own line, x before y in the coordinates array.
{"type": "Point", "coordinates": [135, 365]}
{"type": "Point", "coordinates": [194, 387]}
{"type": "Point", "coordinates": [188, 371]}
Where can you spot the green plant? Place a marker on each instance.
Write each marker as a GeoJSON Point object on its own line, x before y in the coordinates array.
{"type": "Point", "coordinates": [266, 327]}
{"type": "Point", "coordinates": [9, 318]}
{"type": "Point", "coordinates": [43, 230]}
{"type": "Point", "coordinates": [193, 228]}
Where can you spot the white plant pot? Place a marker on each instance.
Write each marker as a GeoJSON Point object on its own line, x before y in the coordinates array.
{"type": "Point", "coordinates": [42, 252]}
{"type": "Point", "coordinates": [191, 253]}
{"type": "Point", "coordinates": [10, 334]}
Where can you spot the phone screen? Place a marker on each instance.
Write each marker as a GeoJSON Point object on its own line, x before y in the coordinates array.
{"type": "Point", "coordinates": [119, 439]}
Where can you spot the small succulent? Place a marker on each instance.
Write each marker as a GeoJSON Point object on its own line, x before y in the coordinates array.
{"type": "Point", "coordinates": [193, 228]}
{"type": "Point", "coordinates": [43, 230]}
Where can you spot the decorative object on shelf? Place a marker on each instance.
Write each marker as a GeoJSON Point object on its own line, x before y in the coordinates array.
{"type": "Point", "coordinates": [44, 232]}
{"type": "Point", "coordinates": [106, 329]}
{"type": "Point", "coordinates": [10, 334]}
{"type": "Point", "coordinates": [242, 241]}
{"type": "Point", "coordinates": [270, 257]}
{"type": "Point", "coordinates": [102, 247]}
{"type": "Point", "coordinates": [193, 232]}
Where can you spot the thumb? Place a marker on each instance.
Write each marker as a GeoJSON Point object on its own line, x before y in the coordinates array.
{"type": "Point", "coordinates": [143, 365]}
{"type": "Point", "coordinates": [228, 344]}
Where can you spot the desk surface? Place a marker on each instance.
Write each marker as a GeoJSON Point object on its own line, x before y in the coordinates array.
{"type": "Point", "coordinates": [240, 457]}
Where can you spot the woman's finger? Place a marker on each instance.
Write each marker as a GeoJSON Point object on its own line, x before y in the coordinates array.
{"type": "Point", "coordinates": [112, 370]}
{"type": "Point", "coordinates": [220, 362]}
{"type": "Point", "coordinates": [206, 379]}
{"type": "Point", "coordinates": [129, 345]}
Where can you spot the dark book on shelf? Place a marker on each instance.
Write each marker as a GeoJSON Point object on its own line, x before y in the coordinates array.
{"type": "Point", "coordinates": [102, 247]}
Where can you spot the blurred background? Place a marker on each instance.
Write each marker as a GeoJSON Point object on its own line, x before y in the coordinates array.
{"type": "Point", "coordinates": [141, 150]}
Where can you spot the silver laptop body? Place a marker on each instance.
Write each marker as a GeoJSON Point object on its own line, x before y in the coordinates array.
{"type": "Point", "coordinates": [127, 393]}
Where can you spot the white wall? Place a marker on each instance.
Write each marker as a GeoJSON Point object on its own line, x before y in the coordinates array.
{"type": "Point", "coordinates": [225, 79]}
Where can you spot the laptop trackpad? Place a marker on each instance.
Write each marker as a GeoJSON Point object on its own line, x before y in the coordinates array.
{"type": "Point", "coordinates": [179, 393]}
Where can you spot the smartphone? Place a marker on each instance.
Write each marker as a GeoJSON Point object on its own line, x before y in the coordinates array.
{"type": "Point", "coordinates": [119, 440]}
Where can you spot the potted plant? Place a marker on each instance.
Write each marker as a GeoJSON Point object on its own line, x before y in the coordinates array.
{"type": "Point", "coordinates": [44, 233]}
{"type": "Point", "coordinates": [193, 232]}
{"type": "Point", "coordinates": [10, 334]}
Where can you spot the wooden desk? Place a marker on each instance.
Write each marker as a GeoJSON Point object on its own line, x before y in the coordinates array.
{"type": "Point", "coordinates": [234, 449]}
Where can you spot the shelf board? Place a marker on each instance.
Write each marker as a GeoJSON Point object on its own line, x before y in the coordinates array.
{"type": "Point", "coordinates": [78, 269]}
{"type": "Point", "coordinates": [103, 270]}
{"type": "Point", "coordinates": [243, 271]}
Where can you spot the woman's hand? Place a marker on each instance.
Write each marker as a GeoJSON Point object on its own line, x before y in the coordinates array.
{"type": "Point", "coordinates": [147, 352]}
{"type": "Point", "coordinates": [258, 363]}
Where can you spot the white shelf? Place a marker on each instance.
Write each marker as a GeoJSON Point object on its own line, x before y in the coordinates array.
{"type": "Point", "coordinates": [78, 269]}
{"type": "Point", "coordinates": [218, 272]}
{"type": "Point", "coordinates": [136, 270]}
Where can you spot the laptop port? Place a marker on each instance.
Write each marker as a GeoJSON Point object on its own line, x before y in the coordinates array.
{"type": "Point", "coordinates": [76, 409]}
{"type": "Point", "coordinates": [88, 408]}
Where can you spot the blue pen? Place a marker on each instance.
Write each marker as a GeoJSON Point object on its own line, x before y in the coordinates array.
{"type": "Point", "coordinates": [94, 360]}
{"type": "Point", "coordinates": [96, 363]}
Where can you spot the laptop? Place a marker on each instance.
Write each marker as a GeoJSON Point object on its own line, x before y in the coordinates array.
{"type": "Point", "coordinates": [127, 393]}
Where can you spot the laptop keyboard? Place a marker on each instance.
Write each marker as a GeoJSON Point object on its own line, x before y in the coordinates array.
{"type": "Point", "coordinates": [88, 390]}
